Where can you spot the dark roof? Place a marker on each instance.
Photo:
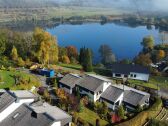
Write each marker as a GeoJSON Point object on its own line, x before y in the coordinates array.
{"type": "Point", "coordinates": [91, 83]}
{"type": "Point", "coordinates": [23, 117]}
{"type": "Point", "coordinates": [127, 68]}
{"type": "Point", "coordinates": [70, 80]}
{"type": "Point", "coordinates": [134, 98]}
{"type": "Point", "coordinates": [112, 93]}
{"type": "Point", "coordinates": [5, 100]}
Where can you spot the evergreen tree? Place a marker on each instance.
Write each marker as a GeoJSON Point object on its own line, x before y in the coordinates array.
{"type": "Point", "coordinates": [121, 112]}
{"type": "Point", "coordinates": [85, 59]}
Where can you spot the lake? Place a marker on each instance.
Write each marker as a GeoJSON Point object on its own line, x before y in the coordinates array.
{"type": "Point", "coordinates": [124, 40]}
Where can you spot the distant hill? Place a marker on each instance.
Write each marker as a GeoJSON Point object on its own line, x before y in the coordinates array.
{"type": "Point", "coordinates": [27, 3]}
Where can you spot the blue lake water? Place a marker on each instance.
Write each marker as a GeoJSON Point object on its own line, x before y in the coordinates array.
{"type": "Point", "coordinates": [124, 40]}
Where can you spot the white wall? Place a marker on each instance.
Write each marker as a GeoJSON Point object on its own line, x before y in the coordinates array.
{"type": "Point", "coordinates": [140, 76]}
{"type": "Point", "coordinates": [106, 85]}
{"type": "Point", "coordinates": [13, 107]}
{"type": "Point", "coordinates": [56, 124]}
{"type": "Point", "coordinates": [120, 99]}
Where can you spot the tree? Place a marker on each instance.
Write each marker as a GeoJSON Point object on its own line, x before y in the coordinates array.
{"type": "Point", "coordinates": [143, 59]}
{"type": "Point", "coordinates": [72, 52]}
{"type": "Point", "coordinates": [148, 43]}
{"type": "Point", "coordinates": [81, 106]}
{"type": "Point", "coordinates": [2, 44]}
{"type": "Point", "coordinates": [107, 55]}
{"type": "Point", "coordinates": [46, 46]}
{"type": "Point", "coordinates": [65, 59]}
{"type": "Point", "coordinates": [14, 54]}
{"type": "Point", "coordinates": [20, 61]}
{"type": "Point", "coordinates": [160, 55]}
{"type": "Point", "coordinates": [121, 112]}
{"type": "Point", "coordinates": [86, 59]}
{"type": "Point", "coordinates": [97, 122]}
{"type": "Point", "coordinates": [62, 52]}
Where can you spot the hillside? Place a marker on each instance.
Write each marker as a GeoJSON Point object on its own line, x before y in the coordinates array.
{"type": "Point", "coordinates": [27, 3]}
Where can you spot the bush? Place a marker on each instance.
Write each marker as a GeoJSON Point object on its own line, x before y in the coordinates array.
{"type": "Point", "coordinates": [142, 117]}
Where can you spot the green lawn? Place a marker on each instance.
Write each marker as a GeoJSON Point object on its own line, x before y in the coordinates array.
{"type": "Point", "coordinates": [7, 80]}
{"type": "Point", "coordinates": [162, 82]}
{"type": "Point", "coordinates": [91, 117]}
{"type": "Point", "coordinates": [71, 66]}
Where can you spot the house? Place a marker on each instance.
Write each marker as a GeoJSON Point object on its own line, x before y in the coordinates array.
{"type": "Point", "coordinates": [130, 97]}
{"type": "Point", "coordinates": [9, 101]}
{"type": "Point", "coordinates": [68, 82]}
{"type": "Point", "coordinates": [93, 86]}
{"type": "Point", "coordinates": [113, 96]}
{"type": "Point", "coordinates": [18, 108]}
{"type": "Point", "coordinates": [130, 71]}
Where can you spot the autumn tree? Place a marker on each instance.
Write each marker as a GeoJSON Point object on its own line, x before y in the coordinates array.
{"type": "Point", "coordinates": [72, 52]}
{"type": "Point", "coordinates": [160, 55]}
{"type": "Point", "coordinates": [62, 52]}
{"type": "Point", "coordinates": [47, 49]}
{"type": "Point", "coordinates": [148, 43]}
{"type": "Point", "coordinates": [65, 59]}
{"type": "Point", "coordinates": [14, 54]}
{"type": "Point", "coordinates": [143, 59]}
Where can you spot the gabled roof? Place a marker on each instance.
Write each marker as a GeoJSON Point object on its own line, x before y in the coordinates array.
{"type": "Point", "coordinates": [112, 93]}
{"type": "Point", "coordinates": [127, 68]}
{"type": "Point", "coordinates": [134, 98]}
{"type": "Point", "coordinates": [70, 80]}
{"type": "Point", "coordinates": [5, 100]}
{"type": "Point", "coordinates": [131, 95]}
{"type": "Point", "coordinates": [91, 82]}
{"type": "Point", "coordinates": [23, 117]}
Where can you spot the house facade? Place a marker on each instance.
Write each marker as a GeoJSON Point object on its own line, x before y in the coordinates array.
{"type": "Point", "coordinates": [131, 98]}
{"type": "Point", "coordinates": [130, 71]}
{"type": "Point", "coordinates": [113, 97]}
{"type": "Point", "coordinates": [19, 108]}
{"type": "Point", "coordinates": [68, 82]}
{"type": "Point", "coordinates": [93, 86]}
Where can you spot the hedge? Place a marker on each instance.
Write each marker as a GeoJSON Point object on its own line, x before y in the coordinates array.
{"type": "Point", "coordinates": [142, 117]}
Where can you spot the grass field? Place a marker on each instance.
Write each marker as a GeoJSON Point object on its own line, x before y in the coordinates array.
{"type": "Point", "coordinates": [91, 117]}
{"type": "Point", "coordinates": [162, 82]}
{"type": "Point", "coordinates": [8, 81]}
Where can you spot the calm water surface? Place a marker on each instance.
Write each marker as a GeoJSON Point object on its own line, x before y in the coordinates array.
{"type": "Point", "coordinates": [124, 40]}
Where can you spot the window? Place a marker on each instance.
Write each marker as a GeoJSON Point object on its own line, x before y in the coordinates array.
{"type": "Point", "coordinates": [131, 75]}
{"type": "Point", "coordinates": [118, 75]}
{"type": "Point", "coordinates": [125, 75]}
{"type": "Point", "coordinates": [135, 75]}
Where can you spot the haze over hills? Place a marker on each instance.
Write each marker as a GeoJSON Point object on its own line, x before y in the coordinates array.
{"type": "Point", "coordinates": [133, 5]}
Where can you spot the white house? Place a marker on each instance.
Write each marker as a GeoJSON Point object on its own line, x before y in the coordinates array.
{"type": "Point", "coordinates": [130, 71]}
{"type": "Point", "coordinates": [19, 108]}
{"type": "Point", "coordinates": [130, 97]}
{"type": "Point", "coordinates": [68, 82]}
{"type": "Point", "coordinates": [93, 86]}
